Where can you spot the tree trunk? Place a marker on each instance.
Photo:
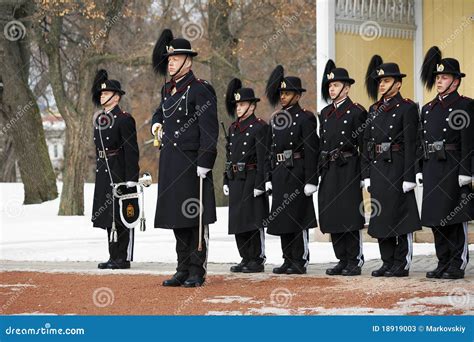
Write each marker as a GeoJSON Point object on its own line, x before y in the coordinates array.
{"type": "Point", "coordinates": [23, 120]}
{"type": "Point", "coordinates": [224, 67]}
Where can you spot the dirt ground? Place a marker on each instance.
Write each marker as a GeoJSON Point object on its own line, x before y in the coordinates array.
{"type": "Point", "coordinates": [261, 294]}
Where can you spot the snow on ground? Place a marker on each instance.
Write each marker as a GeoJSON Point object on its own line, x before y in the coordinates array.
{"type": "Point", "coordinates": [35, 232]}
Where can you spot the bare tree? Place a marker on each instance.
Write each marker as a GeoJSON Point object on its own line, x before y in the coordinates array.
{"type": "Point", "coordinates": [18, 105]}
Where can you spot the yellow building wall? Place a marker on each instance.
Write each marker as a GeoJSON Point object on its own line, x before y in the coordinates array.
{"type": "Point", "coordinates": [354, 54]}
{"type": "Point", "coordinates": [446, 24]}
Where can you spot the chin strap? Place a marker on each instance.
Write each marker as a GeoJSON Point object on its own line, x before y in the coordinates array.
{"type": "Point", "coordinates": [390, 88]}
{"type": "Point", "coordinates": [447, 88]}
{"type": "Point", "coordinates": [177, 72]}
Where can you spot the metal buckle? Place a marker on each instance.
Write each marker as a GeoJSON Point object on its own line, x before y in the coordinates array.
{"type": "Point", "coordinates": [101, 154]}
{"type": "Point", "coordinates": [378, 148]}
{"type": "Point", "coordinates": [431, 148]}
{"type": "Point", "coordinates": [234, 168]}
{"type": "Point", "coordinates": [280, 157]}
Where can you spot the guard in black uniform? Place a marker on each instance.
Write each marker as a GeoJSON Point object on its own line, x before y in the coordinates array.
{"type": "Point", "coordinates": [447, 137]}
{"type": "Point", "coordinates": [293, 177]}
{"type": "Point", "coordinates": [244, 177]}
{"type": "Point", "coordinates": [341, 131]}
{"type": "Point", "coordinates": [115, 138]}
{"type": "Point", "coordinates": [186, 123]}
{"type": "Point", "coordinates": [390, 145]}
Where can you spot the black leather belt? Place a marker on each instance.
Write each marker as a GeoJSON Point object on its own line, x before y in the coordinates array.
{"type": "Point", "coordinates": [431, 148]}
{"type": "Point", "coordinates": [247, 167]}
{"type": "Point", "coordinates": [281, 156]}
{"type": "Point", "coordinates": [333, 156]}
{"type": "Point", "coordinates": [393, 147]}
{"type": "Point", "coordinates": [108, 153]}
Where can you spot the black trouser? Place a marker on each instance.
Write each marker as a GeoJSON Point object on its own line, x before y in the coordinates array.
{"type": "Point", "coordinates": [251, 245]}
{"type": "Point", "coordinates": [190, 260]}
{"type": "Point", "coordinates": [295, 247]}
{"type": "Point", "coordinates": [122, 249]}
{"type": "Point", "coordinates": [452, 245]}
{"type": "Point", "coordinates": [348, 248]}
{"type": "Point", "coordinates": [397, 252]}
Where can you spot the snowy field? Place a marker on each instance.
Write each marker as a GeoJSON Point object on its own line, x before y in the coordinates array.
{"type": "Point", "coordinates": [35, 232]}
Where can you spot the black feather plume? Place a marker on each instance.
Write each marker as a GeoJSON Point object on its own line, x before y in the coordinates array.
{"type": "Point", "coordinates": [432, 58]}
{"type": "Point", "coordinates": [100, 77]}
{"type": "Point", "coordinates": [159, 58]}
{"type": "Point", "coordinates": [273, 84]}
{"type": "Point", "coordinates": [232, 87]}
{"type": "Point", "coordinates": [371, 83]}
{"type": "Point", "coordinates": [330, 65]}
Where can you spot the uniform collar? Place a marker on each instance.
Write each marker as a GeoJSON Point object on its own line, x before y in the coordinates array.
{"type": "Point", "coordinates": [242, 125]}
{"type": "Point", "coordinates": [447, 100]}
{"type": "Point", "coordinates": [341, 108]}
{"type": "Point", "coordinates": [115, 110]}
{"type": "Point", "coordinates": [182, 83]}
{"type": "Point", "coordinates": [388, 104]}
{"type": "Point", "coordinates": [293, 109]}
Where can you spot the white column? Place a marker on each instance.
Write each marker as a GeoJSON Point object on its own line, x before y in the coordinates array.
{"type": "Point", "coordinates": [418, 53]}
{"type": "Point", "coordinates": [325, 42]}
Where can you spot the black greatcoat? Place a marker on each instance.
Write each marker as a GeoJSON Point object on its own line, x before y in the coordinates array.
{"type": "Point", "coordinates": [450, 120]}
{"type": "Point", "coordinates": [292, 211]}
{"type": "Point", "coordinates": [393, 212]}
{"type": "Point", "coordinates": [119, 135]}
{"type": "Point", "coordinates": [190, 131]}
{"type": "Point", "coordinates": [340, 196]}
{"type": "Point", "coordinates": [248, 144]}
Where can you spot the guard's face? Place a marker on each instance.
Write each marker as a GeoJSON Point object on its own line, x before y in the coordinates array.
{"type": "Point", "coordinates": [288, 98]}
{"type": "Point", "coordinates": [174, 63]}
{"type": "Point", "coordinates": [106, 95]}
{"type": "Point", "coordinates": [241, 109]}
{"type": "Point", "coordinates": [443, 81]}
{"type": "Point", "coordinates": [335, 89]}
{"type": "Point", "coordinates": [385, 83]}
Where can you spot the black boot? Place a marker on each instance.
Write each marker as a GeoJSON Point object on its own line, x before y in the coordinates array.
{"type": "Point", "coordinates": [336, 270]}
{"type": "Point", "coordinates": [296, 269]}
{"type": "Point", "coordinates": [238, 268]}
{"type": "Point", "coordinates": [381, 271]}
{"type": "Point", "coordinates": [282, 269]}
{"type": "Point", "coordinates": [253, 267]}
{"type": "Point", "coordinates": [453, 273]}
{"type": "Point", "coordinates": [437, 272]}
{"type": "Point", "coordinates": [396, 271]}
{"type": "Point", "coordinates": [194, 281]}
{"type": "Point", "coordinates": [351, 270]}
{"type": "Point", "coordinates": [177, 279]}
{"type": "Point", "coordinates": [105, 265]}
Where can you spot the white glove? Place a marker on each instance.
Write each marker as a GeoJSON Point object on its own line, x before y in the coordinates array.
{"type": "Point", "coordinates": [310, 189]}
{"type": "Point", "coordinates": [257, 192]}
{"type": "Point", "coordinates": [157, 128]}
{"type": "Point", "coordinates": [367, 184]}
{"type": "Point", "coordinates": [361, 184]}
{"type": "Point", "coordinates": [419, 179]}
{"type": "Point", "coordinates": [268, 186]}
{"type": "Point", "coordinates": [131, 184]}
{"type": "Point", "coordinates": [464, 180]}
{"type": "Point", "coordinates": [408, 186]}
{"type": "Point", "coordinates": [201, 171]}
{"type": "Point", "coordinates": [225, 189]}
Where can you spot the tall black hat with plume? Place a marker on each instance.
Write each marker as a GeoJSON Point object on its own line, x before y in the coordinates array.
{"type": "Point", "coordinates": [102, 83]}
{"type": "Point", "coordinates": [235, 93]}
{"type": "Point", "coordinates": [333, 74]}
